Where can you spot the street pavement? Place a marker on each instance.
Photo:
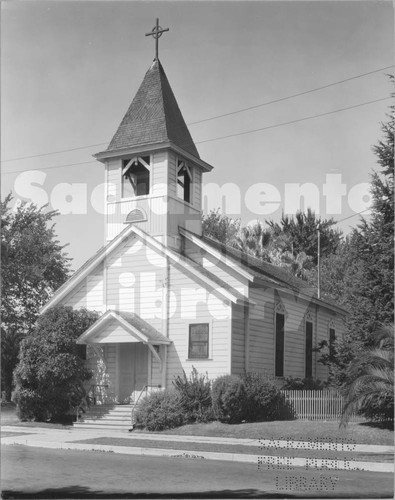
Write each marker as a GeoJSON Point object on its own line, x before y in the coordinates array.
{"type": "Point", "coordinates": [40, 473]}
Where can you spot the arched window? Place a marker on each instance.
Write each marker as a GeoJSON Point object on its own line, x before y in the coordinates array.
{"type": "Point", "coordinates": [279, 325]}
{"type": "Point", "coordinates": [309, 346]}
{"type": "Point", "coordinates": [184, 181]}
{"type": "Point", "coordinates": [332, 338]}
{"type": "Point", "coordinates": [136, 177]}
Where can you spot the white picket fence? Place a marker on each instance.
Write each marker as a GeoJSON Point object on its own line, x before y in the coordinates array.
{"type": "Point", "coordinates": [318, 405]}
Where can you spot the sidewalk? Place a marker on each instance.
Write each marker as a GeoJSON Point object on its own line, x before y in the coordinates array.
{"type": "Point", "coordinates": [263, 453]}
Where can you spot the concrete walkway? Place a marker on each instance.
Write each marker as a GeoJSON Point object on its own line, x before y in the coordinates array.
{"type": "Point", "coordinates": [159, 445]}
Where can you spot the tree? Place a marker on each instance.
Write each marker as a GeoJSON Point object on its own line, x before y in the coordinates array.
{"type": "Point", "coordinates": [255, 240]}
{"type": "Point", "coordinates": [33, 267]}
{"type": "Point", "coordinates": [371, 296]}
{"type": "Point", "coordinates": [360, 274]}
{"type": "Point", "coordinates": [220, 227]}
{"type": "Point", "coordinates": [50, 374]}
{"type": "Point", "coordinates": [369, 386]}
{"type": "Point", "coordinates": [302, 232]}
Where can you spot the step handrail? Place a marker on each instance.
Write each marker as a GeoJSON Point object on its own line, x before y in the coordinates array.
{"type": "Point", "coordinates": [87, 398]}
{"type": "Point", "coordinates": [144, 389]}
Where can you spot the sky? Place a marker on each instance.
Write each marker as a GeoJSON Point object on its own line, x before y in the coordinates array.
{"type": "Point", "coordinates": [69, 71]}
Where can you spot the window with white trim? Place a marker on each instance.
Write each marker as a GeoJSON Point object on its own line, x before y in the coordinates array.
{"type": "Point", "coordinates": [198, 341]}
{"type": "Point", "coordinates": [184, 181]}
{"type": "Point", "coordinates": [136, 176]}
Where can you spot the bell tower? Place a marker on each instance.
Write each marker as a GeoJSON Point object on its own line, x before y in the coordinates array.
{"type": "Point", "coordinates": [153, 169]}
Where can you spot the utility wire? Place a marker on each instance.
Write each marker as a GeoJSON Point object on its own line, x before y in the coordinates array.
{"type": "Point", "coordinates": [237, 134]}
{"type": "Point", "coordinates": [293, 121]}
{"type": "Point", "coordinates": [217, 116]}
{"type": "Point", "coordinates": [290, 96]}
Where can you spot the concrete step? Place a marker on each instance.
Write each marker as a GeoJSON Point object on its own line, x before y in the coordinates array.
{"type": "Point", "coordinates": [88, 425]}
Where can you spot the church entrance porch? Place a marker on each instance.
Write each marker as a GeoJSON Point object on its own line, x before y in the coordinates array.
{"type": "Point", "coordinates": [127, 357]}
{"type": "Point", "coordinates": [132, 368]}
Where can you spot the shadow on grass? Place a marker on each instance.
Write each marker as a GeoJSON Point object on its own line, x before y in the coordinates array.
{"type": "Point", "coordinates": [83, 492]}
{"type": "Point", "coordinates": [379, 425]}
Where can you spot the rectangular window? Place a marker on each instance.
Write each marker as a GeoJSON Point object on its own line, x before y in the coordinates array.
{"type": "Point", "coordinates": [279, 360]}
{"type": "Point", "coordinates": [198, 341]}
{"type": "Point", "coordinates": [309, 350]}
{"type": "Point", "coordinates": [332, 338]}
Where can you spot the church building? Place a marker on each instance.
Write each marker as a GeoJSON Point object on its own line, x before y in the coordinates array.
{"type": "Point", "coordinates": [171, 299]}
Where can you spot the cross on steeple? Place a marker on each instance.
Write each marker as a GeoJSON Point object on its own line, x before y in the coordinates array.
{"type": "Point", "coordinates": [156, 32]}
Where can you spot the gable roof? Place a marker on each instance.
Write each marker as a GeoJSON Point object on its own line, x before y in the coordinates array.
{"type": "Point", "coordinates": [135, 326]}
{"type": "Point", "coordinates": [246, 265]}
{"type": "Point", "coordinates": [154, 116]}
{"type": "Point", "coordinates": [226, 291]}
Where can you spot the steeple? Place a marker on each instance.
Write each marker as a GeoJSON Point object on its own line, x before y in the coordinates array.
{"type": "Point", "coordinates": [153, 169]}
{"type": "Point", "coordinates": [153, 117]}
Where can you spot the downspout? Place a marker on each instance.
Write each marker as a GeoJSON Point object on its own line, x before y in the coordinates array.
{"type": "Point", "coordinates": [165, 318]}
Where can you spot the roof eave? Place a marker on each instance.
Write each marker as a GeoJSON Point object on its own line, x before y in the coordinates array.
{"type": "Point", "coordinates": [105, 155]}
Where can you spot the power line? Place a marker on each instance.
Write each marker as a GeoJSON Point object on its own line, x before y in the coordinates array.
{"type": "Point", "coordinates": [290, 96]}
{"type": "Point", "coordinates": [215, 117]}
{"type": "Point", "coordinates": [237, 134]}
{"type": "Point", "coordinates": [294, 121]}
{"type": "Point", "coordinates": [49, 168]}
{"type": "Point", "coordinates": [354, 215]}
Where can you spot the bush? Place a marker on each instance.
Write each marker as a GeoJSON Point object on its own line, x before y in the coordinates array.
{"type": "Point", "coordinates": [303, 384]}
{"type": "Point", "coordinates": [229, 399]}
{"type": "Point", "coordinates": [195, 397]}
{"type": "Point", "coordinates": [160, 410]}
{"type": "Point", "coordinates": [263, 398]}
{"type": "Point", "coordinates": [252, 397]}
{"type": "Point", "coordinates": [50, 373]}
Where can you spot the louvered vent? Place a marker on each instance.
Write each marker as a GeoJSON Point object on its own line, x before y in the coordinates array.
{"type": "Point", "coordinates": [136, 215]}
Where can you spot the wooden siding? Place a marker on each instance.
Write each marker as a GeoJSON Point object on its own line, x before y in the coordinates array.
{"type": "Point", "coordinates": [190, 310]}
{"type": "Point", "coordinates": [197, 188]}
{"type": "Point", "coordinates": [89, 294]}
{"type": "Point", "coordinates": [184, 215]}
{"type": "Point", "coordinates": [238, 340]}
{"type": "Point", "coordinates": [171, 175]}
{"type": "Point", "coordinates": [114, 168]}
{"type": "Point", "coordinates": [152, 204]}
{"type": "Point", "coordinates": [217, 267]}
{"type": "Point", "coordinates": [325, 317]}
{"type": "Point", "coordinates": [113, 332]}
{"type": "Point", "coordinates": [262, 332]}
{"type": "Point", "coordinates": [135, 279]}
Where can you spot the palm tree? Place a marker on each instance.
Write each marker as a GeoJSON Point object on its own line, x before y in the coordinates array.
{"type": "Point", "coordinates": [370, 380]}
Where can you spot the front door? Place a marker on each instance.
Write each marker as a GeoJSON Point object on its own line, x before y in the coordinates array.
{"type": "Point", "coordinates": [132, 369]}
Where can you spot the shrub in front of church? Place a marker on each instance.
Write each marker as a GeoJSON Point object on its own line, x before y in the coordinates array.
{"type": "Point", "coordinates": [50, 373]}
{"type": "Point", "coordinates": [229, 399]}
{"type": "Point", "coordinates": [160, 410]}
{"type": "Point", "coordinates": [264, 400]}
{"type": "Point", "coordinates": [249, 398]}
{"type": "Point", "coordinates": [195, 397]}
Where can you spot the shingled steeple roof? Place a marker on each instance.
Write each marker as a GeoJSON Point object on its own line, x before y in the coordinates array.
{"type": "Point", "coordinates": [154, 116]}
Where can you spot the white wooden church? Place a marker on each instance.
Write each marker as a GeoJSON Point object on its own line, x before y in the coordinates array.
{"type": "Point", "coordinates": [170, 298]}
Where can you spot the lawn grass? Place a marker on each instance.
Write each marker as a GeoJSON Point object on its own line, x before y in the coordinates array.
{"type": "Point", "coordinates": [239, 449]}
{"type": "Point", "coordinates": [9, 417]}
{"type": "Point", "coordinates": [298, 430]}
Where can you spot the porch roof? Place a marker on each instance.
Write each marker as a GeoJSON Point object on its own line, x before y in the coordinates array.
{"type": "Point", "coordinates": [134, 327]}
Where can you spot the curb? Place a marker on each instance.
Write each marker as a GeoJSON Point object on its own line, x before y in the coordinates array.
{"type": "Point", "coordinates": [261, 461]}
